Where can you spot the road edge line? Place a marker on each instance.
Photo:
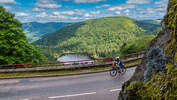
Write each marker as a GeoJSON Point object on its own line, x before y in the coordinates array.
{"type": "Point", "coordinates": [62, 75]}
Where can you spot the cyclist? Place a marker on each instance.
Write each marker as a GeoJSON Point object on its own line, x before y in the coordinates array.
{"type": "Point", "coordinates": [119, 63]}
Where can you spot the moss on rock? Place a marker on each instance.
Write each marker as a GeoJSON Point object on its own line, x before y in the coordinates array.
{"type": "Point", "coordinates": [175, 58]}
{"type": "Point", "coordinates": [171, 23]}
{"type": "Point", "coordinates": [160, 87]}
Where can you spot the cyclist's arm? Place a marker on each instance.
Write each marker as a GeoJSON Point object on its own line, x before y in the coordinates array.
{"type": "Point", "coordinates": [113, 64]}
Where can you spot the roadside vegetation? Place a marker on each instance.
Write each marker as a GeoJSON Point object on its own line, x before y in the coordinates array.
{"type": "Point", "coordinates": [14, 47]}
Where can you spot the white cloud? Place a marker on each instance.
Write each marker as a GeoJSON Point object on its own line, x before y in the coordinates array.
{"type": "Point", "coordinates": [115, 8]}
{"type": "Point", "coordinates": [43, 14]}
{"type": "Point", "coordinates": [117, 12]}
{"type": "Point", "coordinates": [87, 15]}
{"type": "Point", "coordinates": [95, 13]}
{"type": "Point", "coordinates": [161, 2]}
{"type": "Point", "coordinates": [103, 6]}
{"type": "Point", "coordinates": [163, 9]}
{"type": "Point", "coordinates": [7, 7]}
{"type": "Point", "coordinates": [8, 2]}
{"type": "Point", "coordinates": [138, 1]}
{"type": "Point", "coordinates": [70, 13]}
{"type": "Point", "coordinates": [126, 11]}
{"type": "Point", "coordinates": [121, 7]}
{"type": "Point", "coordinates": [150, 10]}
{"type": "Point", "coordinates": [55, 13]}
{"type": "Point", "coordinates": [48, 6]}
{"type": "Point", "coordinates": [59, 16]}
{"type": "Point", "coordinates": [21, 14]}
{"type": "Point", "coordinates": [87, 1]}
{"type": "Point", "coordinates": [75, 12]}
{"type": "Point", "coordinates": [38, 9]}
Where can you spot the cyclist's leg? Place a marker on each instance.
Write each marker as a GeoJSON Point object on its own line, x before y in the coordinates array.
{"type": "Point", "coordinates": [118, 68]}
{"type": "Point", "coordinates": [121, 68]}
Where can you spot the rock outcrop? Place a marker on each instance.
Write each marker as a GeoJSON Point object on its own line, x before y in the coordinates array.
{"type": "Point", "coordinates": [156, 76]}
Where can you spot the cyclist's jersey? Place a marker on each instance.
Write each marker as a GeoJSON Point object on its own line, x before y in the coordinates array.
{"type": "Point", "coordinates": [119, 61]}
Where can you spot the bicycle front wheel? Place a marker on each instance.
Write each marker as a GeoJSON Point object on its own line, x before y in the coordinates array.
{"type": "Point", "coordinates": [113, 72]}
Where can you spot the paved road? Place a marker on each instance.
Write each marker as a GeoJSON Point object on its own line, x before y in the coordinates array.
{"type": "Point", "coordinates": [98, 86]}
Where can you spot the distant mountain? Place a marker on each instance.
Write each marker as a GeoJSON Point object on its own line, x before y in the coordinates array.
{"type": "Point", "coordinates": [35, 30]}
{"type": "Point", "coordinates": [151, 26]}
{"type": "Point", "coordinates": [102, 37]}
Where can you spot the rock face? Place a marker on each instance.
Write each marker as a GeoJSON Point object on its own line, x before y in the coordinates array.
{"type": "Point", "coordinates": [151, 79]}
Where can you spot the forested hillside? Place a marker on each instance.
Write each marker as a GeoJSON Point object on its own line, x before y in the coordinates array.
{"type": "Point", "coordinates": [102, 37]}
{"type": "Point", "coordinates": [14, 48]}
{"type": "Point", "coordinates": [35, 30]}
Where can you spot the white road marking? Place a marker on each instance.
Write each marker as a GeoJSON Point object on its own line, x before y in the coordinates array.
{"type": "Point", "coordinates": [25, 99]}
{"type": "Point", "coordinates": [115, 90]}
{"type": "Point", "coordinates": [71, 95]}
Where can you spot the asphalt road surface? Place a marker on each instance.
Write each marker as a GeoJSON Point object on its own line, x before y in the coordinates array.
{"type": "Point", "coordinates": [98, 86]}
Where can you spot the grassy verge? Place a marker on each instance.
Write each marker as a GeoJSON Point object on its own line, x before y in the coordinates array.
{"type": "Point", "coordinates": [135, 62]}
{"type": "Point", "coordinates": [62, 72]}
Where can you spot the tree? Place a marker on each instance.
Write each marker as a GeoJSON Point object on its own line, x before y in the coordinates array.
{"type": "Point", "coordinates": [14, 48]}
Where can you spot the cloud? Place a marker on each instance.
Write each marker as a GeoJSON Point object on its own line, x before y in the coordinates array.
{"type": "Point", "coordinates": [103, 6]}
{"type": "Point", "coordinates": [55, 13]}
{"type": "Point", "coordinates": [75, 12]}
{"type": "Point", "coordinates": [37, 9]}
{"type": "Point", "coordinates": [138, 1]}
{"type": "Point", "coordinates": [8, 2]}
{"type": "Point", "coordinates": [88, 1]}
{"type": "Point", "coordinates": [126, 12]}
{"type": "Point", "coordinates": [95, 12]}
{"type": "Point", "coordinates": [161, 2]}
{"type": "Point", "coordinates": [21, 14]}
{"type": "Point", "coordinates": [87, 15]}
{"type": "Point", "coordinates": [117, 12]}
{"type": "Point", "coordinates": [48, 6]}
{"type": "Point", "coordinates": [120, 7]}
{"type": "Point", "coordinates": [42, 14]}
{"type": "Point", "coordinates": [150, 10]}
{"type": "Point", "coordinates": [7, 7]}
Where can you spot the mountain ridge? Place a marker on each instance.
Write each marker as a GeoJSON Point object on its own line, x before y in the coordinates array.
{"type": "Point", "coordinates": [36, 30]}
{"type": "Point", "coordinates": [101, 37]}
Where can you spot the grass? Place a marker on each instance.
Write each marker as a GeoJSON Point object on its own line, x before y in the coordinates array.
{"type": "Point", "coordinates": [133, 62]}
{"type": "Point", "coordinates": [63, 72]}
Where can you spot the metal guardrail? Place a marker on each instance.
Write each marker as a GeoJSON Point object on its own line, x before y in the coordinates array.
{"type": "Point", "coordinates": [63, 67]}
{"type": "Point", "coordinates": [60, 66]}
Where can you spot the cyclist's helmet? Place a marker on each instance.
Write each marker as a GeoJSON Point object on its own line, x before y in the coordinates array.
{"type": "Point", "coordinates": [117, 57]}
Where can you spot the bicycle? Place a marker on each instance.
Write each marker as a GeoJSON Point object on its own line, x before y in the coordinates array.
{"type": "Point", "coordinates": [116, 69]}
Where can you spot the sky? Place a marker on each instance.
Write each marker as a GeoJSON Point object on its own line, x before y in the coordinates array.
{"type": "Point", "coordinates": [80, 10]}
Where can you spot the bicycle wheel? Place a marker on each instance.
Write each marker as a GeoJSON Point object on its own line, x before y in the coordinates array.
{"type": "Point", "coordinates": [113, 72]}
{"type": "Point", "coordinates": [124, 70]}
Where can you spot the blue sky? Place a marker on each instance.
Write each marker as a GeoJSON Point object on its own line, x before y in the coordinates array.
{"type": "Point", "coordinates": [79, 10]}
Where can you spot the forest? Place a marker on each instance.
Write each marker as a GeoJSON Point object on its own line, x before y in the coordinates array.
{"type": "Point", "coordinates": [101, 37]}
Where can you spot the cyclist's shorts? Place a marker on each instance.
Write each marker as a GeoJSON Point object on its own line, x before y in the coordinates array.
{"type": "Point", "coordinates": [115, 68]}
{"type": "Point", "coordinates": [121, 66]}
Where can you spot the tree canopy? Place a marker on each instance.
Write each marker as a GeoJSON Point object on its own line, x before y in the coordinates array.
{"type": "Point", "coordinates": [14, 47]}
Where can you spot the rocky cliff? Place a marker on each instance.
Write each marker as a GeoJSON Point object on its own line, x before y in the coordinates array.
{"type": "Point", "coordinates": [156, 77]}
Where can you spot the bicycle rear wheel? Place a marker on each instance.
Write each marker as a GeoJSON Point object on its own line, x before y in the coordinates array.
{"type": "Point", "coordinates": [124, 70]}
{"type": "Point", "coordinates": [113, 72]}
